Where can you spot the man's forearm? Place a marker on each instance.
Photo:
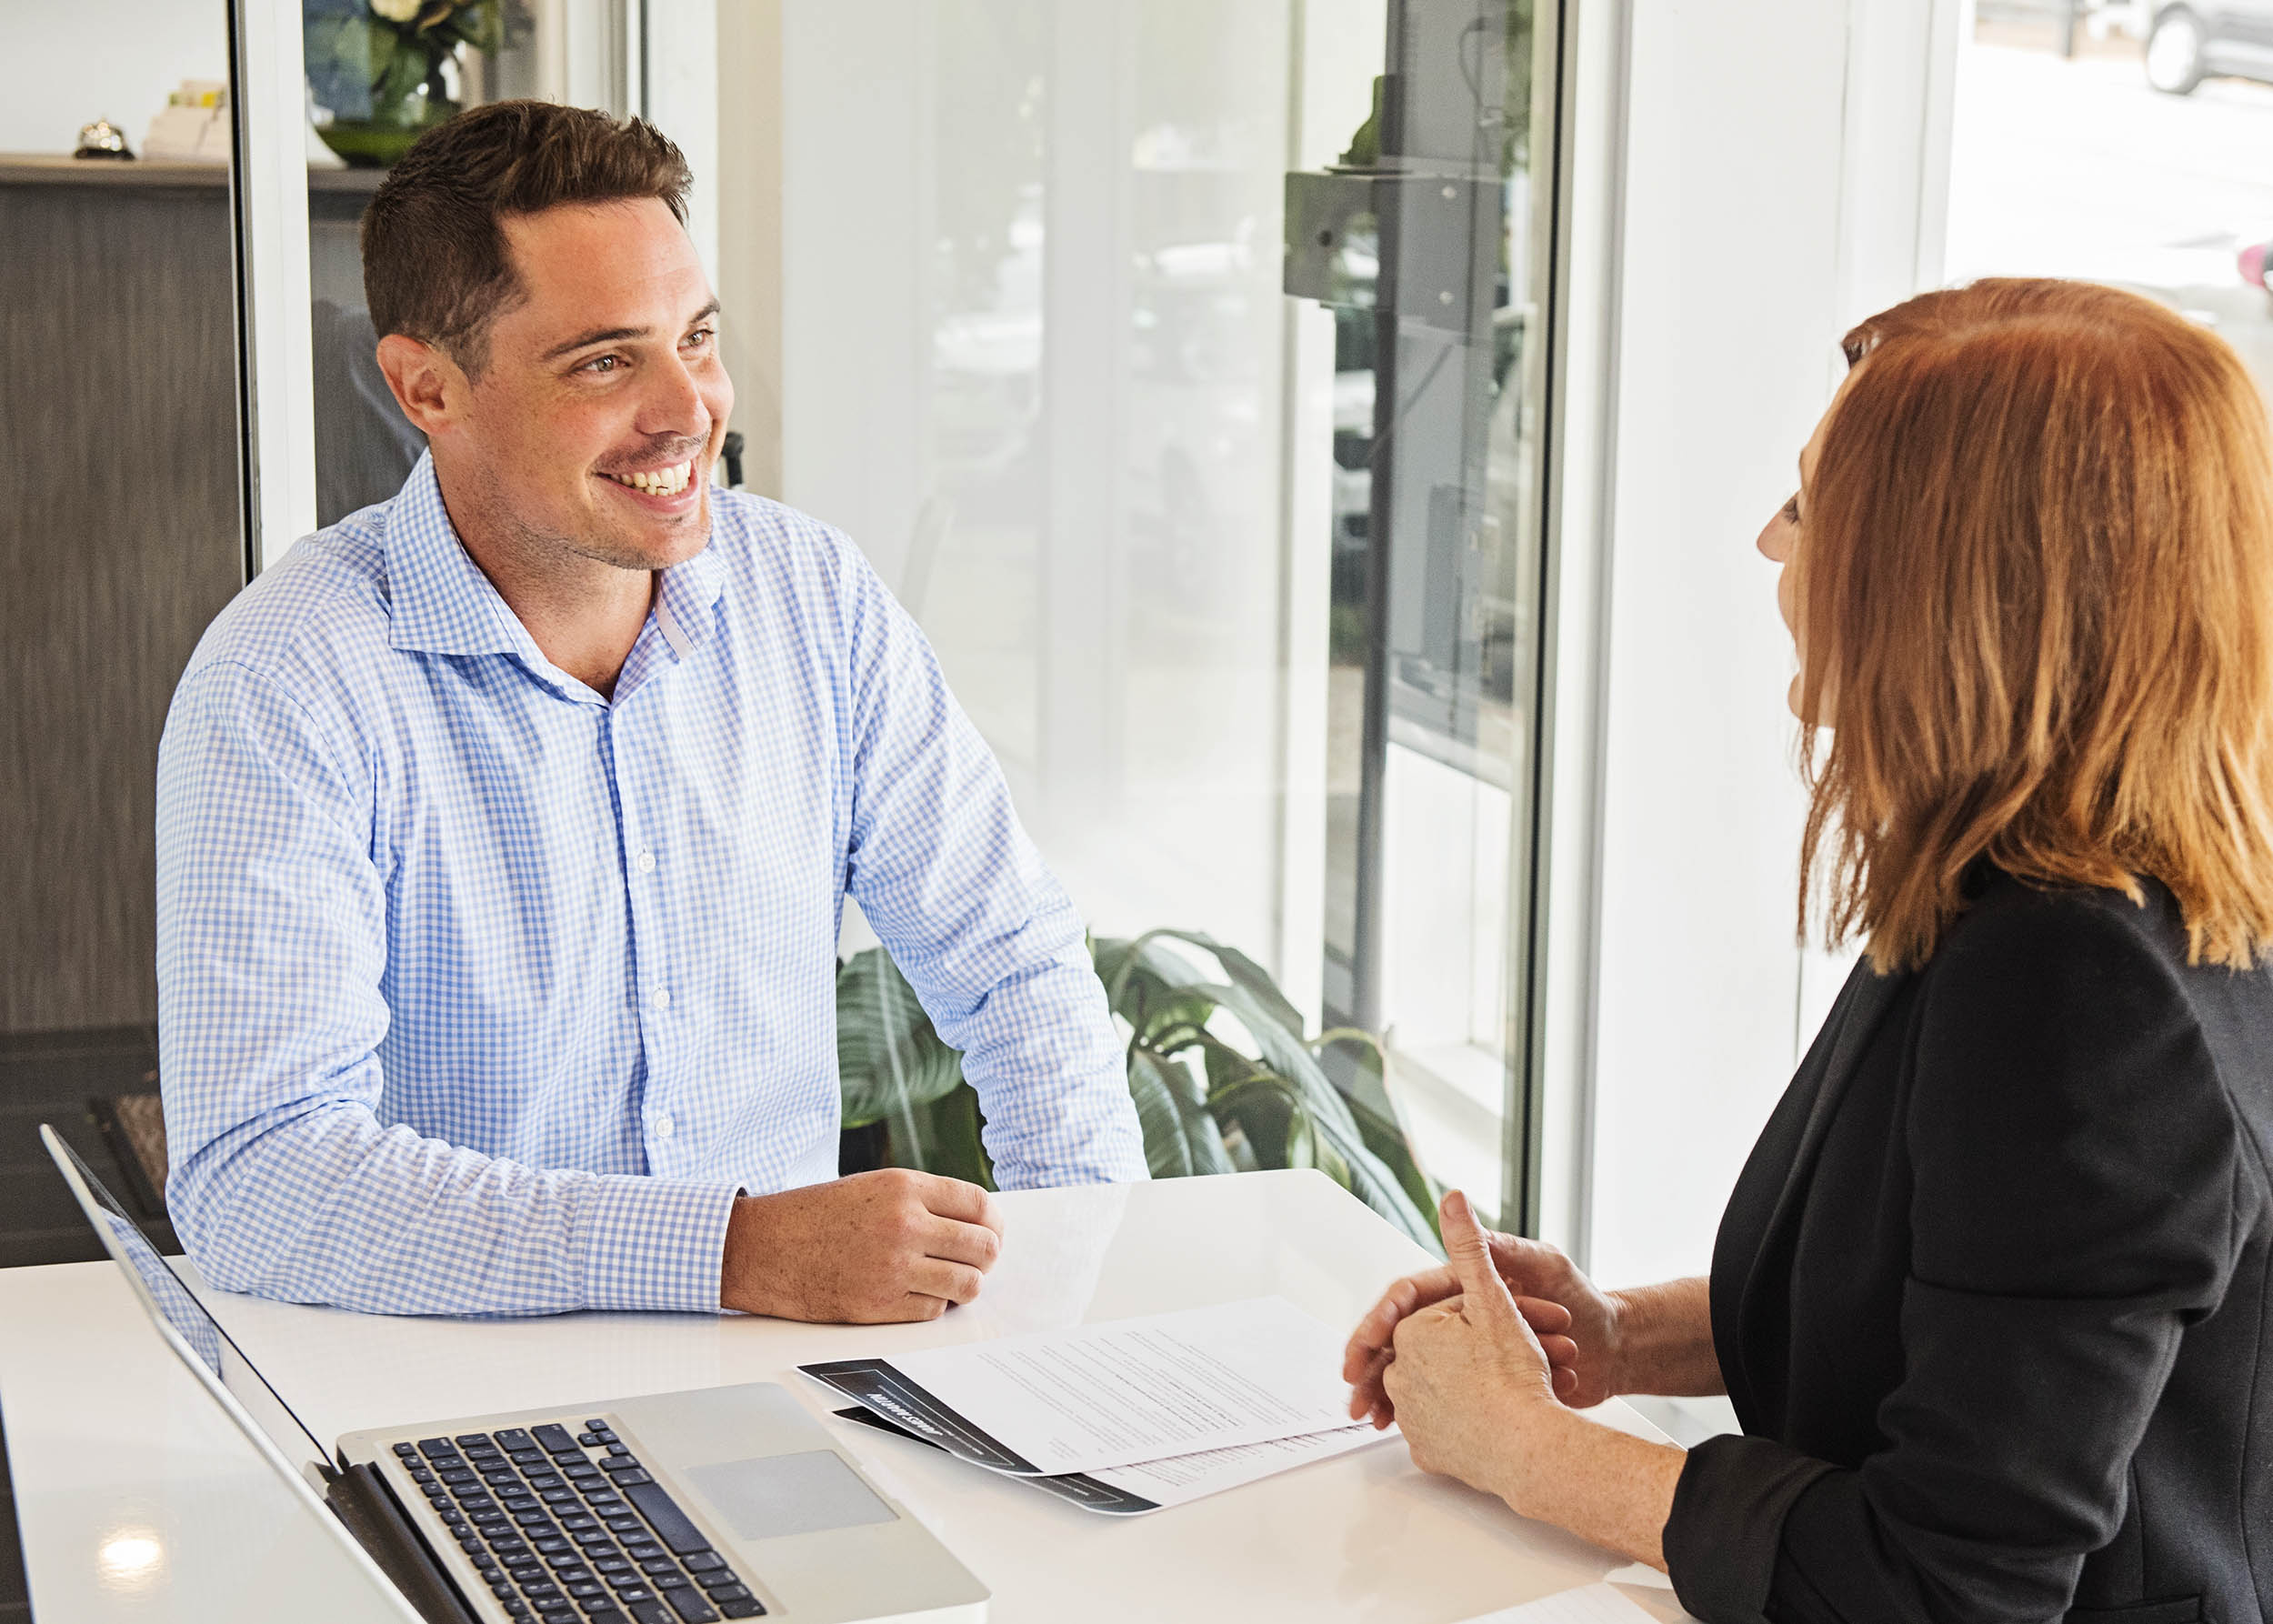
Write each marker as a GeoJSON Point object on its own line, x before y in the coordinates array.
{"type": "Point", "coordinates": [330, 1208]}
{"type": "Point", "coordinates": [1665, 1339]}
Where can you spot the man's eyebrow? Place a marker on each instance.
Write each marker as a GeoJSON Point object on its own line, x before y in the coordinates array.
{"type": "Point", "coordinates": [617, 335]}
{"type": "Point", "coordinates": [597, 335]}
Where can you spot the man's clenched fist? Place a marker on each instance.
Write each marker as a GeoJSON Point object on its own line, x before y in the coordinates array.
{"type": "Point", "coordinates": [875, 1246]}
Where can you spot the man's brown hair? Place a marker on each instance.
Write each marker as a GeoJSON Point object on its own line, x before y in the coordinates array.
{"type": "Point", "coordinates": [2035, 592]}
{"type": "Point", "coordinates": [435, 260]}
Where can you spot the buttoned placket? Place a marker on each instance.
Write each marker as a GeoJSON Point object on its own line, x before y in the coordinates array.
{"type": "Point", "coordinates": [633, 709]}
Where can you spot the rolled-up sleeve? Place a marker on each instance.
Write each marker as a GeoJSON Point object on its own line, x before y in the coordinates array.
{"type": "Point", "coordinates": [272, 959]}
{"type": "Point", "coordinates": [2079, 1195]}
{"type": "Point", "coordinates": [957, 891]}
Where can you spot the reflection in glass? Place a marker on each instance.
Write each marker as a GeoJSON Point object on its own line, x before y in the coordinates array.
{"type": "Point", "coordinates": [380, 72]}
{"type": "Point", "coordinates": [201, 1335]}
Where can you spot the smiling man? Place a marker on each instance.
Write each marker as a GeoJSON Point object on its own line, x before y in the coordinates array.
{"type": "Point", "coordinates": [504, 828]}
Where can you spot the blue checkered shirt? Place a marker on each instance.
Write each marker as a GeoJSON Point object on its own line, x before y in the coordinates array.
{"type": "Point", "coordinates": [481, 993]}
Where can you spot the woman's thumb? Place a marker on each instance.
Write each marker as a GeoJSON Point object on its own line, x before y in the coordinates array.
{"type": "Point", "coordinates": [1471, 1258]}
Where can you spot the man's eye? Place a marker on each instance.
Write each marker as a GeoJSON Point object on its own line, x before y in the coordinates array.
{"type": "Point", "coordinates": [701, 335]}
{"type": "Point", "coordinates": [601, 363]}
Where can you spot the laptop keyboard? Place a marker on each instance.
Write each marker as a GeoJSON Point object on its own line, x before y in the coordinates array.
{"type": "Point", "coordinates": [568, 1529]}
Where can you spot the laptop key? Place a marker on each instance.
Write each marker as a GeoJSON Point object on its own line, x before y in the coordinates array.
{"type": "Point", "coordinates": [696, 1560]}
{"type": "Point", "coordinates": [555, 1439]}
{"type": "Point", "coordinates": [717, 1581]}
{"type": "Point", "coordinates": [651, 1612]}
{"type": "Point", "coordinates": [722, 1594]}
{"type": "Point", "coordinates": [748, 1608]}
{"type": "Point", "coordinates": [689, 1605]}
{"type": "Point", "coordinates": [663, 1514]}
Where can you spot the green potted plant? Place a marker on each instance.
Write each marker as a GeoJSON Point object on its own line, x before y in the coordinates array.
{"type": "Point", "coordinates": [376, 66]}
{"type": "Point", "coordinates": [1223, 1077]}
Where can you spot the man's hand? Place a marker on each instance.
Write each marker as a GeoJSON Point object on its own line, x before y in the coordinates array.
{"type": "Point", "coordinates": [865, 1250]}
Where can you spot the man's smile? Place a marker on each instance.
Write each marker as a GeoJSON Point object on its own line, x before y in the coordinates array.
{"type": "Point", "coordinates": [666, 481]}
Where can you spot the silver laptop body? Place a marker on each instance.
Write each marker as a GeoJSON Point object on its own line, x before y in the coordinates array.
{"type": "Point", "coordinates": [672, 1509]}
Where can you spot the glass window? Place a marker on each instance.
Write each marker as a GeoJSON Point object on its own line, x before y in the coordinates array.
{"type": "Point", "coordinates": [1227, 538]}
{"type": "Point", "coordinates": [2120, 143]}
{"type": "Point", "coordinates": [380, 73]}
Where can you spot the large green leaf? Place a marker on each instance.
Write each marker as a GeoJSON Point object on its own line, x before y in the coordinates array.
{"type": "Point", "coordinates": [1274, 1109]}
{"type": "Point", "coordinates": [944, 1137]}
{"type": "Point", "coordinates": [1182, 1137]}
{"type": "Point", "coordinates": [889, 1057]}
{"type": "Point", "coordinates": [1159, 1006]}
{"type": "Point", "coordinates": [1242, 972]}
{"type": "Point", "coordinates": [1324, 1132]}
{"type": "Point", "coordinates": [1379, 1128]}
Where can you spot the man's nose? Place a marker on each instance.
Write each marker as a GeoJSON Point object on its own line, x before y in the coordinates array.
{"type": "Point", "coordinates": [673, 403]}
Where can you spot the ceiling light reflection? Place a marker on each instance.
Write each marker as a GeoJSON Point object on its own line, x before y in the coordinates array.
{"type": "Point", "coordinates": [129, 1559]}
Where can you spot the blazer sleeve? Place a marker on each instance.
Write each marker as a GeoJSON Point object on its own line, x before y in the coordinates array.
{"type": "Point", "coordinates": [2079, 1199]}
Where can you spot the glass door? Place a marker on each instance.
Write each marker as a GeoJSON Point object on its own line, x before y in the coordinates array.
{"type": "Point", "coordinates": [1420, 240]}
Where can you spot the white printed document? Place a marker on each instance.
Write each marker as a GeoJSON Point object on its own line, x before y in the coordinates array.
{"type": "Point", "coordinates": [1127, 1416]}
{"type": "Point", "coordinates": [1133, 1490]}
{"type": "Point", "coordinates": [1091, 1397]}
{"type": "Point", "coordinates": [1185, 1477]}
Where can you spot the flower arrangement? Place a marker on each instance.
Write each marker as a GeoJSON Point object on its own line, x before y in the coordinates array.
{"type": "Point", "coordinates": [376, 66]}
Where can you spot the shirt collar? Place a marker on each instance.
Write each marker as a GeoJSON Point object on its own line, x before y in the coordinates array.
{"type": "Point", "coordinates": [442, 603]}
{"type": "Point", "coordinates": [439, 602]}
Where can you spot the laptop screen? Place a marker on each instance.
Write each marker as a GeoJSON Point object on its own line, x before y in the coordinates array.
{"type": "Point", "coordinates": [165, 1295]}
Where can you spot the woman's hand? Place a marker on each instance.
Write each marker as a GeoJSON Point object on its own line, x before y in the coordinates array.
{"type": "Point", "coordinates": [1474, 1394]}
{"type": "Point", "coordinates": [1577, 1325]}
{"type": "Point", "coordinates": [1469, 1378]}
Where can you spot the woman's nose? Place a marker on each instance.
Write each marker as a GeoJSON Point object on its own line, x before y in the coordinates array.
{"type": "Point", "coordinates": [1774, 539]}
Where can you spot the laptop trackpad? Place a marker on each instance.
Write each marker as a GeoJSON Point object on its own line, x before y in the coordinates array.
{"type": "Point", "coordinates": [788, 1494]}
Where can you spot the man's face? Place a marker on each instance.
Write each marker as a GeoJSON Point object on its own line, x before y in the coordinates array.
{"type": "Point", "coordinates": [592, 427]}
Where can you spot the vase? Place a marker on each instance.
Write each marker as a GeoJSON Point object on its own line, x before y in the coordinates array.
{"type": "Point", "coordinates": [376, 142]}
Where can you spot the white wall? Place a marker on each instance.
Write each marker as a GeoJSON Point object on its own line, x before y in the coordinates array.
{"type": "Point", "coordinates": [1774, 170]}
{"type": "Point", "coordinates": [113, 59]}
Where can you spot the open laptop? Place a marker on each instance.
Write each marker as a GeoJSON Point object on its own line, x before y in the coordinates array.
{"type": "Point", "coordinates": [675, 1509]}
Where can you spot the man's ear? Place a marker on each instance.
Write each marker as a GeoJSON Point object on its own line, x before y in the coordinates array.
{"type": "Point", "coordinates": [428, 385]}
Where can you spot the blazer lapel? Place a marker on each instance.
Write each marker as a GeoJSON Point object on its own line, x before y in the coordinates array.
{"type": "Point", "coordinates": [1862, 1005]}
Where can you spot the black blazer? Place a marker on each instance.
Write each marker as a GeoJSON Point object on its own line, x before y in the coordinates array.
{"type": "Point", "coordinates": [1991, 1294]}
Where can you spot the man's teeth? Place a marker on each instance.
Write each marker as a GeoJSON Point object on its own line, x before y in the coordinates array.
{"type": "Point", "coordinates": [663, 482]}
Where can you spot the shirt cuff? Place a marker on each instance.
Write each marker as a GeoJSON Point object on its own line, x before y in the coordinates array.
{"type": "Point", "coordinates": [653, 1243]}
{"type": "Point", "coordinates": [1728, 1524]}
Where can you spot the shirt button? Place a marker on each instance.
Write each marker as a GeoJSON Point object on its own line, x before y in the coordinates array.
{"type": "Point", "coordinates": [646, 862]}
{"type": "Point", "coordinates": [660, 997]}
{"type": "Point", "coordinates": [662, 1127]}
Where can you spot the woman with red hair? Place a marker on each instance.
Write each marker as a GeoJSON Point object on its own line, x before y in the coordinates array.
{"type": "Point", "coordinates": [1991, 1296]}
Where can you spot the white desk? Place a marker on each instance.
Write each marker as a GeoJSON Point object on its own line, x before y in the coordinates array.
{"type": "Point", "coordinates": [138, 1501]}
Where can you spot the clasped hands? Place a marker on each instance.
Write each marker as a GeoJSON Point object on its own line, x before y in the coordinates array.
{"type": "Point", "coordinates": [1471, 1358]}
